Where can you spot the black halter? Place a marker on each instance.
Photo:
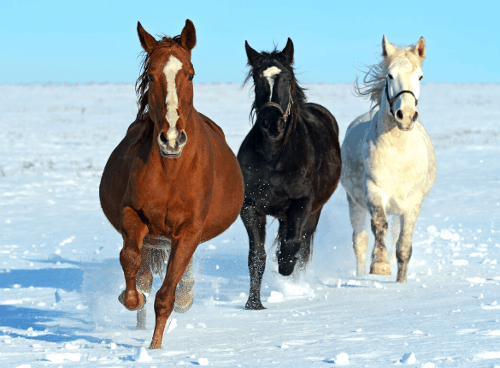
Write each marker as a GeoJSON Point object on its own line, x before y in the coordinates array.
{"type": "Point", "coordinates": [391, 100]}
{"type": "Point", "coordinates": [274, 104]}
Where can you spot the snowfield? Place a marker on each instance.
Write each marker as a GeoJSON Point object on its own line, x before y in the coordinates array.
{"type": "Point", "coordinates": [60, 275]}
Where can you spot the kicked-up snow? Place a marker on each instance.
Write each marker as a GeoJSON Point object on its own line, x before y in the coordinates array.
{"type": "Point", "coordinates": [60, 275]}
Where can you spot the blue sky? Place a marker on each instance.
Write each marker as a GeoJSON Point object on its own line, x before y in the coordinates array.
{"type": "Point", "coordinates": [68, 41]}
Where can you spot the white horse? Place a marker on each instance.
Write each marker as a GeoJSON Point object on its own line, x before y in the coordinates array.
{"type": "Point", "coordinates": [388, 161]}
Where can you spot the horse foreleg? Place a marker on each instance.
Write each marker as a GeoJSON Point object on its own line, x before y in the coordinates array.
{"type": "Point", "coordinates": [357, 215]}
{"type": "Point", "coordinates": [180, 256]}
{"type": "Point", "coordinates": [144, 283]}
{"type": "Point", "coordinates": [255, 224]}
{"type": "Point", "coordinates": [379, 224]}
{"type": "Point", "coordinates": [404, 245]}
{"type": "Point", "coordinates": [134, 231]}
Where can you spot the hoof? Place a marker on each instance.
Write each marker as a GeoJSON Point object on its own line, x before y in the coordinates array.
{"type": "Point", "coordinates": [360, 271]}
{"type": "Point", "coordinates": [154, 346]}
{"type": "Point", "coordinates": [122, 297]}
{"type": "Point", "coordinates": [254, 305]}
{"type": "Point", "coordinates": [380, 268]}
{"type": "Point", "coordinates": [401, 279]}
{"type": "Point", "coordinates": [181, 309]}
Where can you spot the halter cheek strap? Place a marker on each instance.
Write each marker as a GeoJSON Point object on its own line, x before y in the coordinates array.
{"type": "Point", "coordinates": [391, 100]}
{"type": "Point", "coordinates": [274, 104]}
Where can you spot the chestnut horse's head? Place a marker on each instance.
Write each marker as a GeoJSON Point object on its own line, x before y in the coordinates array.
{"type": "Point", "coordinates": [166, 86]}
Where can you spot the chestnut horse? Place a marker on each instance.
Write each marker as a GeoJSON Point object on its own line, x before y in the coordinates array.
{"type": "Point", "coordinates": [171, 183]}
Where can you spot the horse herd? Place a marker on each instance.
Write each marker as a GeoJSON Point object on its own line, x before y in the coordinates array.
{"type": "Point", "coordinates": [173, 182]}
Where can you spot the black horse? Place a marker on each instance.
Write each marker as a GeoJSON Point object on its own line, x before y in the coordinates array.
{"type": "Point", "coordinates": [291, 165]}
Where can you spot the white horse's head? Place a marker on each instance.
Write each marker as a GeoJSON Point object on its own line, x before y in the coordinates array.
{"type": "Point", "coordinates": [402, 84]}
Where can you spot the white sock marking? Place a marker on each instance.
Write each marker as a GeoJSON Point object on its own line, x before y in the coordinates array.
{"type": "Point", "coordinates": [170, 70]}
{"type": "Point", "coordinates": [269, 74]}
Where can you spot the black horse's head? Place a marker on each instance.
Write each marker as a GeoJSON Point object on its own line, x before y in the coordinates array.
{"type": "Point", "coordinates": [276, 90]}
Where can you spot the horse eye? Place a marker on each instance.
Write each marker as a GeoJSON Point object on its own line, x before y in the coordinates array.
{"type": "Point", "coordinates": [390, 76]}
{"type": "Point", "coordinates": [191, 76]}
{"type": "Point", "coordinates": [421, 77]}
{"type": "Point", "coordinates": [151, 77]}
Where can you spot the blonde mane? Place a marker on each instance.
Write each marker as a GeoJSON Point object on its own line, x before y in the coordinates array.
{"type": "Point", "coordinates": [374, 80]}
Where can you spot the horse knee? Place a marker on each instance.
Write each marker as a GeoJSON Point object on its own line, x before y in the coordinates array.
{"type": "Point", "coordinates": [130, 260]}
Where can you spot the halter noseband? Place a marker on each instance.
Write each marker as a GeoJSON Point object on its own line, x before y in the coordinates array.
{"type": "Point", "coordinates": [274, 104]}
{"type": "Point", "coordinates": [391, 100]}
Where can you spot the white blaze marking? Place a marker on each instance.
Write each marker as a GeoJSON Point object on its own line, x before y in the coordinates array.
{"type": "Point", "coordinates": [269, 74]}
{"type": "Point", "coordinates": [171, 68]}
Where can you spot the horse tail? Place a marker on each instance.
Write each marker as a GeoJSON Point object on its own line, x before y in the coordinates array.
{"type": "Point", "coordinates": [158, 262]}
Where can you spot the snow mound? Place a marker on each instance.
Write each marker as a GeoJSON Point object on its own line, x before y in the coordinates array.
{"type": "Point", "coordinates": [202, 361]}
{"type": "Point", "coordinates": [172, 325]}
{"type": "Point", "coordinates": [428, 365]}
{"type": "Point", "coordinates": [60, 358]}
{"type": "Point", "coordinates": [408, 358]}
{"type": "Point", "coordinates": [275, 297]}
{"type": "Point", "coordinates": [141, 355]}
{"type": "Point", "coordinates": [341, 359]}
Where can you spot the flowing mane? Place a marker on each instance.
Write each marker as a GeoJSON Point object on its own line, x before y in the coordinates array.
{"type": "Point", "coordinates": [298, 95]}
{"type": "Point", "coordinates": [374, 80]}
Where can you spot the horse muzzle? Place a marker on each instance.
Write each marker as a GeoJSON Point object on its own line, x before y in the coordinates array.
{"type": "Point", "coordinates": [406, 118]}
{"type": "Point", "coordinates": [273, 126]}
{"type": "Point", "coordinates": [171, 148]}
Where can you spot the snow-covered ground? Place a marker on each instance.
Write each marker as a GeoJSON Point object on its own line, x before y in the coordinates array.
{"type": "Point", "coordinates": [60, 276]}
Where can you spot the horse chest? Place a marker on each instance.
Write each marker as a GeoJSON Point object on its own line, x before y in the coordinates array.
{"type": "Point", "coordinates": [274, 190]}
{"type": "Point", "coordinates": [399, 174]}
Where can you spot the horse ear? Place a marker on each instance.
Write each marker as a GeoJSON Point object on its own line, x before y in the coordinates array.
{"type": "Point", "coordinates": [288, 50]}
{"type": "Point", "coordinates": [148, 42]}
{"type": "Point", "coordinates": [252, 55]}
{"type": "Point", "coordinates": [419, 48]}
{"type": "Point", "coordinates": [387, 48]}
{"type": "Point", "coordinates": [188, 36]}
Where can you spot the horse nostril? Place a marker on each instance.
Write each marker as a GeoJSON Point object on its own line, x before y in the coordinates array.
{"type": "Point", "coordinates": [399, 114]}
{"type": "Point", "coordinates": [415, 117]}
{"type": "Point", "coordinates": [163, 138]}
{"type": "Point", "coordinates": [182, 139]}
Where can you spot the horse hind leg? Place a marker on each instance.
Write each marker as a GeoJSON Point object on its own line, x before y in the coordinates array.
{"type": "Point", "coordinates": [357, 216]}
{"type": "Point", "coordinates": [144, 284]}
{"type": "Point", "coordinates": [306, 249]}
{"type": "Point", "coordinates": [395, 230]}
{"type": "Point", "coordinates": [184, 295]}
